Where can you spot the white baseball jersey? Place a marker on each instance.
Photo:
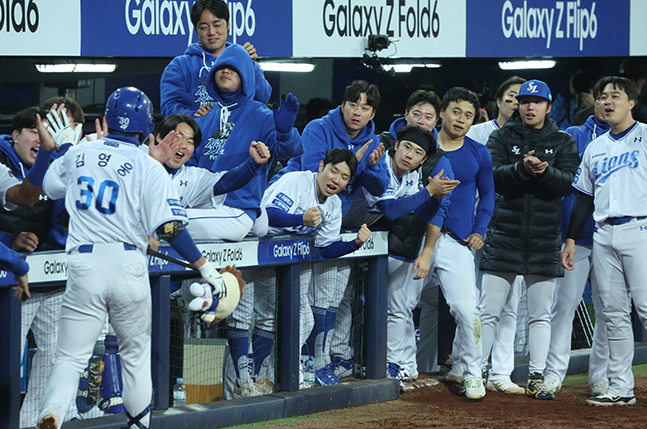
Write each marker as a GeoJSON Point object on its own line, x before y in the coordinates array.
{"type": "Point", "coordinates": [614, 172]}
{"type": "Point", "coordinates": [7, 181]}
{"type": "Point", "coordinates": [481, 132]}
{"type": "Point", "coordinates": [195, 187]}
{"type": "Point", "coordinates": [113, 192]}
{"type": "Point", "coordinates": [296, 192]}
{"type": "Point", "coordinates": [364, 208]}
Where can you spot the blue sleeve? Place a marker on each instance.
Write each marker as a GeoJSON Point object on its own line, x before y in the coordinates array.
{"type": "Point", "coordinates": [439, 218]}
{"type": "Point", "coordinates": [236, 178]}
{"type": "Point", "coordinates": [278, 218]}
{"type": "Point", "coordinates": [174, 94]}
{"type": "Point", "coordinates": [185, 246]}
{"type": "Point", "coordinates": [485, 186]}
{"type": "Point", "coordinates": [7, 240]}
{"type": "Point", "coordinates": [396, 208]}
{"type": "Point", "coordinates": [38, 170]}
{"type": "Point", "coordinates": [374, 178]}
{"type": "Point", "coordinates": [429, 209]}
{"type": "Point", "coordinates": [315, 148]}
{"type": "Point", "coordinates": [263, 88]}
{"type": "Point", "coordinates": [337, 249]}
{"type": "Point", "coordinates": [11, 261]}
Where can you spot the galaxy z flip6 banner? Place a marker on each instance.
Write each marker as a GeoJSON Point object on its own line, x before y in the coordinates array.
{"type": "Point", "coordinates": [548, 28]}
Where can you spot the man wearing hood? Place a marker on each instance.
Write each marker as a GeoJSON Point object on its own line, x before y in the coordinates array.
{"type": "Point", "coordinates": [227, 132]}
{"type": "Point", "coordinates": [184, 81]}
{"type": "Point", "coordinates": [533, 164]}
{"type": "Point", "coordinates": [568, 291]}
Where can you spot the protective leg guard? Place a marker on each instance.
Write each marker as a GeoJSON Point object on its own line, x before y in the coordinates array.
{"type": "Point", "coordinates": [135, 422]}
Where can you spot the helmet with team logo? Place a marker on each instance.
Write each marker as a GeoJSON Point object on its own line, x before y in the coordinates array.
{"type": "Point", "coordinates": [130, 110]}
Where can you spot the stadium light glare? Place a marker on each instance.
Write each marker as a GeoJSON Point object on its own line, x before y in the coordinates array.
{"type": "Point", "coordinates": [76, 68]}
{"type": "Point", "coordinates": [287, 67]}
{"type": "Point", "coordinates": [406, 68]}
{"type": "Point", "coordinates": [527, 64]}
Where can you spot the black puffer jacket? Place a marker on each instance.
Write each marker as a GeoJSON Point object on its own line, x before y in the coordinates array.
{"type": "Point", "coordinates": [524, 236]}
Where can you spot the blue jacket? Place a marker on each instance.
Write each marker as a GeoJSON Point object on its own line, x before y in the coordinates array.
{"type": "Point", "coordinates": [235, 121]}
{"type": "Point", "coordinates": [11, 261]}
{"type": "Point", "coordinates": [324, 134]}
{"type": "Point", "coordinates": [183, 83]}
{"type": "Point", "coordinates": [583, 134]}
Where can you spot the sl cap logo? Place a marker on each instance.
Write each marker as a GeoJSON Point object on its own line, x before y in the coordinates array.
{"type": "Point", "coordinates": [532, 87]}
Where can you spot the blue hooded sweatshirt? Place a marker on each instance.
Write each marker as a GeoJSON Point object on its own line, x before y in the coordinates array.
{"type": "Point", "coordinates": [401, 122]}
{"type": "Point", "coordinates": [583, 134]}
{"type": "Point", "coordinates": [11, 261]}
{"type": "Point", "coordinates": [184, 81]}
{"type": "Point", "coordinates": [235, 121]}
{"type": "Point", "coordinates": [327, 133]}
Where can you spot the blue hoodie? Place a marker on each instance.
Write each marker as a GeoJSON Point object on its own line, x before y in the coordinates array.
{"type": "Point", "coordinates": [11, 261]}
{"type": "Point", "coordinates": [324, 134]}
{"type": "Point", "coordinates": [183, 83]}
{"type": "Point", "coordinates": [235, 121]}
{"type": "Point", "coordinates": [583, 134]}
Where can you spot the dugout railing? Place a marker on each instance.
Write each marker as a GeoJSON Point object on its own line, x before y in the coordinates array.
{"type": "Point", "coordinates": [50, 269]}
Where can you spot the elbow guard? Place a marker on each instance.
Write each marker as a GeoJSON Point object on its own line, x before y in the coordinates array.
{"type": "Point", "coordinates": [170, 230]}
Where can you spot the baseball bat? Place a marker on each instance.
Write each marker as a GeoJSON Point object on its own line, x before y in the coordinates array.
{"type": "Point", "coordinates": [166, 257]}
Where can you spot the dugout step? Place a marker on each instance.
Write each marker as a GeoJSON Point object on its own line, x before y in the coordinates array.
{"type": "Point", "coordinates": [261, 408]}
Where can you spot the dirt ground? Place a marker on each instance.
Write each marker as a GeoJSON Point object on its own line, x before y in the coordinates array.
{"type": "Point", "coordinates": [439, 406]}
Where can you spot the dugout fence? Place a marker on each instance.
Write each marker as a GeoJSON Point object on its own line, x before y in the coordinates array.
{"type": "Point", "coordinates": [282, 259]}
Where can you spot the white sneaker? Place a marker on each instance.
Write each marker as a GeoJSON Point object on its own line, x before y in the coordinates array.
{"type": "Point", "coordinates": [474, 389]}
{"type": "Point", "coordinates": [455, 374]}
{"type": "Point", "coordinates": [552, 384]}
{"type": "Point", "coordinates": [505, 385]}
{"type": "Point", "coordinates": [599, 387]}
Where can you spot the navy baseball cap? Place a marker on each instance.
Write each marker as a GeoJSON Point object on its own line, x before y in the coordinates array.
{"type": "Point", "coordinates": [537, 88]}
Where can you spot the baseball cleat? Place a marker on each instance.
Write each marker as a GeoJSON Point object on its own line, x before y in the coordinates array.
{"type": "Point", "coordinates": [474, 389]}
{"type": "Point", "coordinates": [506, 386]}
{"type": "Point", "coordinates": [599, 387]}
{"type": "Point", "coordinates": [552, 384]}
{"type": "Point", "coordinates": [536, 387]}
{"type": "Point", "coordinates": [50, 421]}
{"type": "Point", "coordinates": [609, 400]}
{"type": "Point", "coordinates": [325, 377]}
{"type": "Point", "coordinates": [342, 367]}
{"type": "Point", "coordinates": [455, 374]}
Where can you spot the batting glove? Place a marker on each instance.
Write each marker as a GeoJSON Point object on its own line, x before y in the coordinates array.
{"type": "Point", "coordinates": [61, 130]}
{"type": "Point", "coordinates": [213, 277]}
{"type": "Point", "coordinates": [286, 114]}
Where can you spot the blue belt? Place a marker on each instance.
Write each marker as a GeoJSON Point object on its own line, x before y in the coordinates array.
{"type": "Point", "coordinates": [624, 219]}
{"type": "Point", "coordinates": [87, 248]}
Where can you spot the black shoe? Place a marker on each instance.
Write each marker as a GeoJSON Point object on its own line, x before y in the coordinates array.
{"type": "Point", "coordinates": [536, 387]}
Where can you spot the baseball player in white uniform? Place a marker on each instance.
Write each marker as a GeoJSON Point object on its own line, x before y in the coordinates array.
{"type": "Point", "coordinates": [611, 182]}
{"type": "Point", "coordinates": [115, 195]}
{"type": "Point", "coordinates": [304, 202]}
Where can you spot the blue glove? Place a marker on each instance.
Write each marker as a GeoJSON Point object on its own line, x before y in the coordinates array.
{"type": "Point", "coordinates": [286, 114]}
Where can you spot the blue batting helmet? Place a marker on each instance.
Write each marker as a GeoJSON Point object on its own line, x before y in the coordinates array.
{"type": "Point", "coordinates": [130, 110]}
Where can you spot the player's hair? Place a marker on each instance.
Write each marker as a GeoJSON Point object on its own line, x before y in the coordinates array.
{"type": "Point", "coordinates": [627, 85]}
{"type": "Point", "coordinates": [459, 93]}
{"type": "Point", "coordinates": [171, 122]}
{"type": "Point", "coordinates": [418, 135]}
{"type": "Point", "coordinates": [353, 92]}
{"type": "Point", "coordinates": [217, 7]}
{"type": "Point", "coordinates": [337, 155]}
{"type": "Point", "coordinates": [73, 108]}
{"type": "Point", "coordinates": [506, 84]}
{"type": "Point", "coordinates": [26, 118]}
{"type": "Point", "coordinates": [422, 96]}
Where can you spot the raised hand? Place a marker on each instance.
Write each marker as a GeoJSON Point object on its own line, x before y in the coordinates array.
{"type": "Point", "coordinates": [259, 152]}
{"type": "Point", "coordinates": [286, 114]}
{"type": "Point", "coordinates": [362, 235]}
{"type": "Point", "coordinates": [312, 217]}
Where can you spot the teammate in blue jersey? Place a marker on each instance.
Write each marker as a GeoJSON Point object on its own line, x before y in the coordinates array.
{"type": "Point", "coordinates": [183, 87]}
{"type": "Point", "coordinates": [236, 121]}
{"type": "Point", "coordinates": [611, 185]}
{"type": "Point", "coordinates": [115, 195]}
{"type": "Point", "coordinates": [568, 290]}
{"type": "Point", "coordinates": [450, 240]}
